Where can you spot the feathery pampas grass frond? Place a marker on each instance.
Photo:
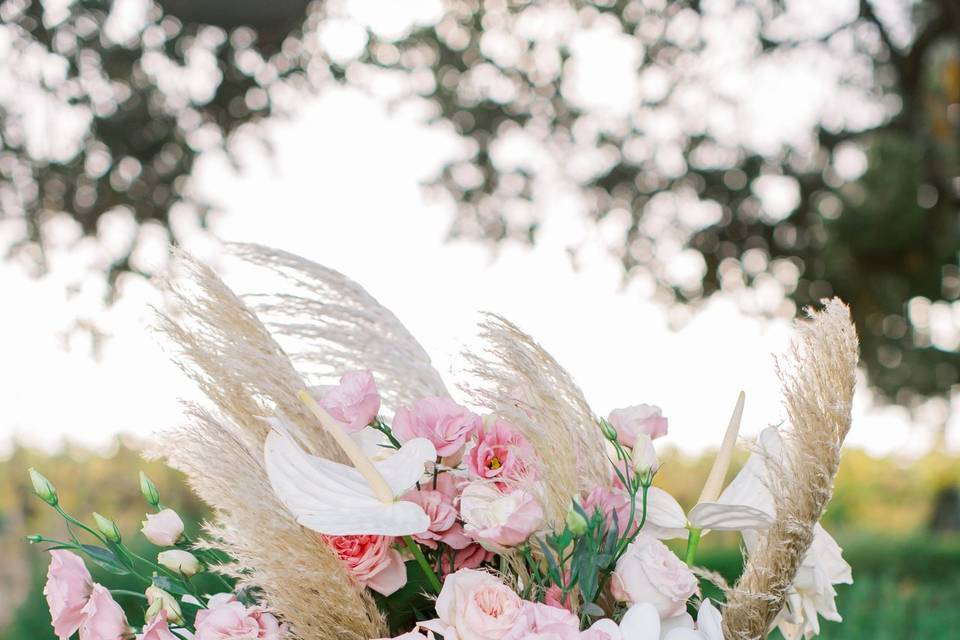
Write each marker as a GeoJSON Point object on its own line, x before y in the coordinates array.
{"type": "Point", "coordinates": [818, 379]}
{"type": "Point", "coordinates": [513, 377]}
{"type": "Point", "coordinates": [246, 376]}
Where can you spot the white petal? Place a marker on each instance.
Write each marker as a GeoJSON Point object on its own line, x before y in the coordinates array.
{"type": "Point", "coordinates": [828, 556]}
{"type": "Point", "coordinates": [709, 621]}
{"type": "Point", "coordinates": [395, 519]}
{"type": "Point", "coordinates": [728, 517]}
{"type": "Point", "coordinates": [665, 517]}
{"type": "Point", "coordinates": [641, 622]}
{"type": "Point", "coordinates": [405, 468]}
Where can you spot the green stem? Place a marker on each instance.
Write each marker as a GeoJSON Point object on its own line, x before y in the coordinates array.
{"type": "Point", "coordinates": [693, 541]}
{"type": "Point", "coordinates": [69, 518]}
{"type": "Point", "coordinates": [125, 592]}
{"type": "Point", "coordinates": [422, 561]}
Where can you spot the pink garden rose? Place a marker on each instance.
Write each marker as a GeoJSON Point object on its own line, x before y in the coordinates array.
{"type": "Point", "coordinates": [371, 560]}
{"type": "Point", "coordinates": [649, 572]}
{"type": "Point", "coordinates": [163, 529]}
{"type": "Point", "coordinates": [157, 629]}
{"type": "Point", "coordinates": [103, 619]}
{"type": "Point", "coordinates": [470, 557]}
{"type": "Point", "coordinates": [500, 453]}
{"type": "Point", "coordinates": [444, 526]}
{"type": "Point", "coordinates": [475, 605]}
{"type": "Point", "coordinates": [354, 402]}
{"type": "Point", "coordinates": [440, 420]}
{"type": "Point", "coordinates": [537, 620]}
{"type": "Point", "coordinates": [642, 418]}
{"type": "Point", "coordinates": [499, 518]}
{"type": "Point", "coordinates": [68, 588]}
{"type": "Point", "coordinates": [226, 618]}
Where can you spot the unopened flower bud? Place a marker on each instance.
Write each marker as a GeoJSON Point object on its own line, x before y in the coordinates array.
{"type": "Point", "coordinates": [107, 527]}
{"type": "Point", "coordinates": [163, 529]}
{"type": "Point", "coordinates": [162, 602]}
{"type": "Point", "coordinates": [645, 461]}
{"type": "Point", "coordinates": [44, 488]}
{"type": "Point", "coordinates": [149, 490]}
{"type": "Point", "coordinates": [34, 538]}
{"type": "Point", "coordinates": [179, 561]}
{"type": "Point", "coordinates": [576, 523]}
{"type": "Point", "coordinates": [607, 429]}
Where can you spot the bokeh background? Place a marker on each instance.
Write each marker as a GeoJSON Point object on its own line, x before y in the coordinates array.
{"type": "Point", "coordinates": [654, 189]}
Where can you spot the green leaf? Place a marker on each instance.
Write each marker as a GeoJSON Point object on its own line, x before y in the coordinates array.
{"type": "Point", "coordinates": [170, 585]}
{"type": "Point", "coordinates": [105, 559]}
{"type": "Point", "coordinates": [551, 562]}
{"type": "Point", "coordinates": [592, 609]}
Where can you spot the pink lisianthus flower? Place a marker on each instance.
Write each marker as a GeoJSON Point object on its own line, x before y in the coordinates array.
{"type": "Point", "coordinates": [632, 421]}
{"type": "Point", "coordinates": [470, 557]}
{"type": "Point", "coordinates": [440, 420]}
{"type": "Point", "coordinates": [444, 526]}
{"type": "Point", "coordinates": [68, 588]}
{"type": "Point", "coordinates": [537, 620]}
{"type": "Point", "coordinates": [157, 629]}
{"type": "Point", "coordinates": [163, 529]}
{"type": "Point", "coordinates": [610, 501]}
{"type": "Point", "coordinates": [226, 618]}
{"type": "Point", "coordinates": [474, 605]}
{"type": "Point", "coordinates": [103, 619]}
{"type": "Point", "coordinates": [371, 560]}
{"type": "Point", "coordinates": [500, 453]}
{"type": "Point", "coordinates": [354, 402]}
{"type": "Point", "coordinates": [499, 518]}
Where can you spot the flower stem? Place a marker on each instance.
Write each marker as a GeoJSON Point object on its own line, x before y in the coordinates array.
{"type": "Point", "coordinates": [693, 541]}
{"type": "Point", "coordinates": [422, 561]}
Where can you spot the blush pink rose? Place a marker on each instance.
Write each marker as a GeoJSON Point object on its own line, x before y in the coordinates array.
{"type": "Point", "coordinates": [157, 629]}
{"type": "Point", "coordinates": [537, 620]}
{"type": "Point", "coordinates": [444, 526]}
{"type": "Point", "coordinates": [499, 518]}
{"type": "Point", "coordinates": [440, 420]}
{"type": "Point", "coordinates": [354, 402]}
{"type": "Point", "coordinates": [226, 618]}
{"type": "Point", "coordinates": [610, 500]}
{"type": "Point", "coordinates": [163, 529]}
{"type": "Point", "coordinates": [68, 588]}
{"type": "Point", "coordinates": [642, 418]}
{"type": "Point", "coordinates": [500, 453]}
{"type": "Point", "coordinates": [649, 572]}
{"type": "Point", "coordinates": [474, 605]}
{"type": "Point", "coordinates": [470, 557]}
{"type": "Point", "coordinates": [371, 560]}
{"type": "Point", "coordinates": [103, 619]}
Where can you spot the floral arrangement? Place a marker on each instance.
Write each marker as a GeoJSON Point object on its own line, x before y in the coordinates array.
{"type": "Point", "coordinates": [353, 497]}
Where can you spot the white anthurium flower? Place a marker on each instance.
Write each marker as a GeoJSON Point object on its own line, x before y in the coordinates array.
{"type": "Point", "coordinates": [642, 622]}
{"type": "Point", "coordinates": [337, 499]}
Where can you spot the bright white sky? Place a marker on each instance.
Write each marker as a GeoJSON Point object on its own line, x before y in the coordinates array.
{"type": "Point", "coordinates": [343, 189]}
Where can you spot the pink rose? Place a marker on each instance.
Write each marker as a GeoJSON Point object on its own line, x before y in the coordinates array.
{"type": "Point", "coordinates": [157, 629]}
{"type": "Point", "coordinates": [642, 418]}
{"type": "Point", "coordinates": [68, 588]}
{"type": "Point", "coordinates": [474, 605]}
{"type": "Point", "coordinates": [163, 529]}
{"type": "Point", "coordinates": [443, 519]}
{"type": "Point", "coordinates": [499, 518]}
{"type": "Point", "coordinates": [226, 618]}
{"type": "Point", "coordinates": [500, 453]}
{"type": "Point", "coordinates": [470, 557]}
{"type": "Point", "coordinates": [371, 560]}
{"type": "Point", "coordinates": [440, 420]}
{"type": "Point", "coordinates": [354, 402]}
{"type": "Point", "coordinates": [103, 619]}
{"type": "Point", "coordinates": [537, 620]}
{"type": "Point", "coordinates": [649, 572]}
{"type": "Point", "coordinates": [613, 500]}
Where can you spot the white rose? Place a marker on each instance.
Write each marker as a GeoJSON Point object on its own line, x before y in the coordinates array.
{"type": "Point", "coordinates": [649, 572]}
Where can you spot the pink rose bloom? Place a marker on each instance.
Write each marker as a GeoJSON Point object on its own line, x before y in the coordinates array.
{"type": "Point", "coordinates": [500, 453]}
{"type": "Point", "coordinates": [469, 557]}
{"type": "Point", "coordinates": [157, 629]}
{"type": "Point", "coordinates": [537, 620]}
{"type": "Point", "coordinates": [68, 588]}
{"type": "Point", "coordinates": [443, 519]}
{"type": "Point", "coordinates": [613, 500]}
{"type": "Point", "coordinates": [226, 618]}
{"type": "Point", "coordinates": [103, 619]}
{"type": "Point", "coordinates": [354, 402]}
{"type": "Point", "coordinates": [649, 572]}
{"type": "Point", "coordinates": [498, 518]}
{"type": "Point", "coordinates": [642, 418]}
{"type": "Point", "coordinates": [164, 528]}
{"type": "Point", "coordinates": [440, 420]}
{"type": "Point", "coordinates": [474, 605]}
{"type": "Point", "coordinates": [371, 560]}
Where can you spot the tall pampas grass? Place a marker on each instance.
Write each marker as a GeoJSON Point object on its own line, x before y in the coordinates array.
{"type": "Point", "coordinates": [331, 324]}
{"type": "Point", "coordinates": [818, 378]}
{"type": "Point", "coordinates": [515, 378]}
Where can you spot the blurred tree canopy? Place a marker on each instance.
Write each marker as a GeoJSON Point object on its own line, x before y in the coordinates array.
{"type": "Point", "coordinates": [701, 175]}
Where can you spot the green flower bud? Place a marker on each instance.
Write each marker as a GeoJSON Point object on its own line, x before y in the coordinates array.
{"type": "Point", "coordinates": [149, 490]}
{"type": "Point", "coordinates": [576, 523]}
{"type": "Point", "coordinates": [608, 431]}
{"type": "Point", "coordinates": [34, 539]}
{"type": "Point", "coordinates": [107, 527]}
{"type": "Point", "coordinates": [44, 488]}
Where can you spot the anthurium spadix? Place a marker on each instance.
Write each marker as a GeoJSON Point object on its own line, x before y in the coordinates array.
{"type": "Point", "coordinates": [337, 499]}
